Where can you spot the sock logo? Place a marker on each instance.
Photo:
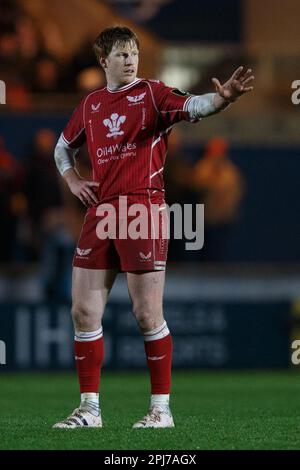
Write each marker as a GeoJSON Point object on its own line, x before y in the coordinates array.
{"type": "Point", "coordinates": [155, 358]}
{"type": "Point", "coordinates": [79, 358]}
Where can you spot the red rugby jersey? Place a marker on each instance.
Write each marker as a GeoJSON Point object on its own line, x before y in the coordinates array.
{"type": "Point", "coordinates": [126, 132]}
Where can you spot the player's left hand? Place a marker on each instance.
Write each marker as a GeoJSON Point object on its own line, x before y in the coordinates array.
{"type": "Point", "coordinates": [239, 84]}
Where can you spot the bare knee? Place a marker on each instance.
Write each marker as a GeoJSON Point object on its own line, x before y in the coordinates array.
{"type": "Point", "coordinates": [84, 318]}
{"type": "Point", "coordinates": [148, 319]}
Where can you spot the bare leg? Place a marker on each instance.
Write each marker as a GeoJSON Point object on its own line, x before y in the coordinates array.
{"type": "Point", "coordinates": [90, 289]}
{"type": "Point", "coordinates": [146, 292]}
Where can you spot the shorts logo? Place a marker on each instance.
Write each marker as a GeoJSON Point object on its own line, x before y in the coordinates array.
{"type": "Point", "coordinates": [145, 257]}
{"type": "Point", "coordinates": [136, 98]}
{"type": "Point", "coordinates": [83, 252]}
{"type": "Point", "coordinates": [95, 107]}
{"type": "Point", "coordinates": [114, 125]}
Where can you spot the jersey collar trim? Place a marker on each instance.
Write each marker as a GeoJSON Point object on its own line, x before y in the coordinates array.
{"type": "Point", "coordinates": [125, 87]}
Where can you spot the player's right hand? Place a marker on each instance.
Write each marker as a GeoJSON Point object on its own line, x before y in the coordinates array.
{"type": "Point", "coordinates": [85, 191]}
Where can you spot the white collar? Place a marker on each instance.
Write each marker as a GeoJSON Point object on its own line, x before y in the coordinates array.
{"type": "Point", "coordinates": [125, 87]}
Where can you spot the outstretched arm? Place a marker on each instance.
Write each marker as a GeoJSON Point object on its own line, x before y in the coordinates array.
{"type": "Point", "coordinates": [240, 82]}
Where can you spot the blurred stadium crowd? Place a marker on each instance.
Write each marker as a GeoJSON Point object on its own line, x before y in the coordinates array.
{"type": "Point", "coordinates": [33, 65]}
{"type": "Point", "coordinates": [27, 62]}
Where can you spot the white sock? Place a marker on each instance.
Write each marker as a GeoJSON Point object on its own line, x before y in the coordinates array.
{"type": "Point", "coordinates": [160, 400]}
{"type": "Point", "coordinates": [90, 402]}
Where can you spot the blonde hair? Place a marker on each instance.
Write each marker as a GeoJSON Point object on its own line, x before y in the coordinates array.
{"type": "Point", "coordinates": [112, 36]}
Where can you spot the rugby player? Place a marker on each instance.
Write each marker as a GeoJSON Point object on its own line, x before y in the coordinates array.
{"type": "Point", "coordinates": [126, 125]}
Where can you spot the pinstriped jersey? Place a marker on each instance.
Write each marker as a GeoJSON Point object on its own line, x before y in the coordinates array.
{"type": "Point", "coordinates": [126, 132]}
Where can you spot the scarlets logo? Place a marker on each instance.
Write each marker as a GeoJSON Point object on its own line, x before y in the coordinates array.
{"type": "Point", "coordinates": [114, 125]}
{"type": "Point", "coordinates": [136, 98]}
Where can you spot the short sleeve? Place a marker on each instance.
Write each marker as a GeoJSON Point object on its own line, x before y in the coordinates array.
{"type": "Point", "coordinates": [170, 102]}
{"type": "Point", "coordinates": [74, 132]}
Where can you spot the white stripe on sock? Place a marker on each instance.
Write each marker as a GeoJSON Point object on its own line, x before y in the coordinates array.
{"type": "Point", "coordinates": [83, 336]}
{"type": "Point", "coordinates": [157, 333]}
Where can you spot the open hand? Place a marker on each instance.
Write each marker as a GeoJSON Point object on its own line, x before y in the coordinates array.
{"type": "Point", "coordinates": [239, 84]}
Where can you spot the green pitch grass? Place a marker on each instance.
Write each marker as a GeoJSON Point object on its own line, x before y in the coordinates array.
{"type": "Point", "coordinates": [222, 410]}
